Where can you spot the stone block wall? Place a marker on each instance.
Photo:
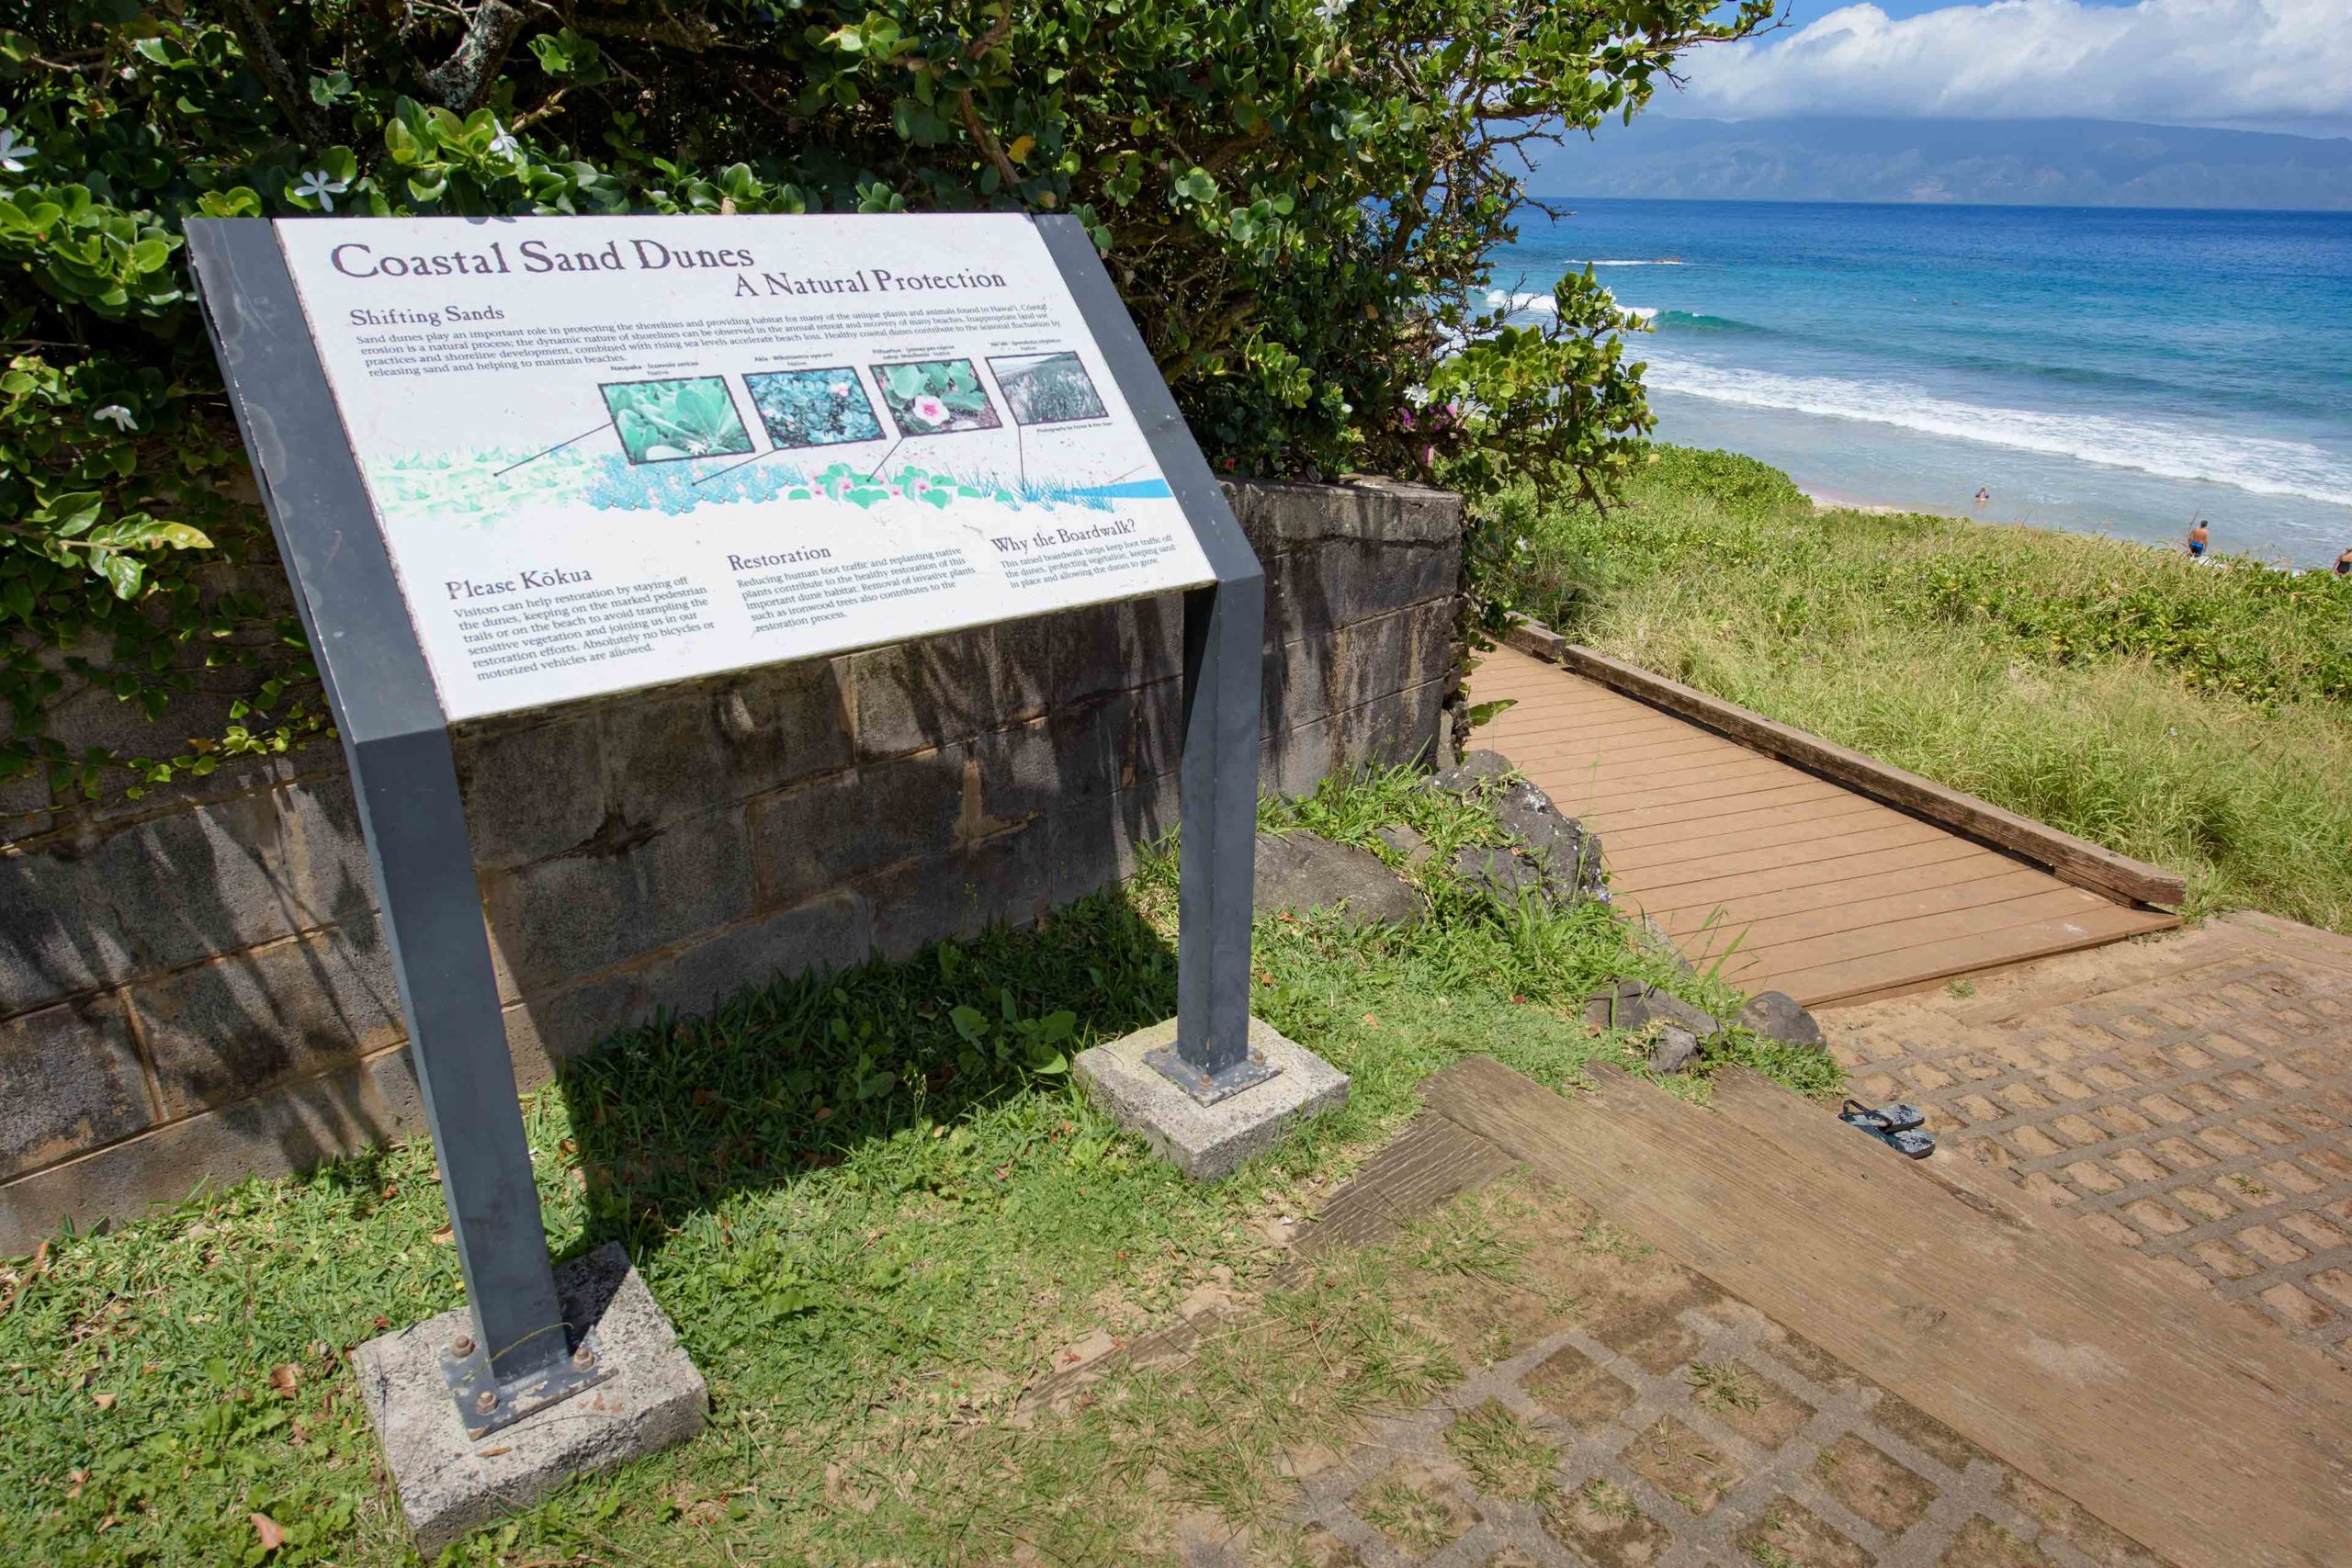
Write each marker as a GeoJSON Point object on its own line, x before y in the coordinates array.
{"type": "Point", "coordinates": [194, 986]}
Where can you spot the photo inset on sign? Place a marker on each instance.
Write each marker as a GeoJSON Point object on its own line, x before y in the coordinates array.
{"type": "Point", "coordinates": [664, 422]}
{"type": "Point", "coordinates": [813, 408]}
{"type": "Point", "coordinates": [1046, 389]}
{"type": "Point", "coordinates": [935, 397]}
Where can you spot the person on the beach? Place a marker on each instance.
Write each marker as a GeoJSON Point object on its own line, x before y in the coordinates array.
{"type": "Point", "coordinates": [2199, 535]}
{"type": "Point", "coordinates": [1984, 494]}
{"type": "Point", "coordinates": [2343, 564]}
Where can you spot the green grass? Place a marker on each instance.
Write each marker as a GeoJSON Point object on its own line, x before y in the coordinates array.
{"type": "Point", "coordinates": [2192, 716]}
{"type": "Point", "coordinates": [877, 1209]}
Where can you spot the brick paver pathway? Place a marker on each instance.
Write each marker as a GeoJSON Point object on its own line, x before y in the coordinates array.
{"type": "Point", "coordinates": [1654, 1419]}
{"type": "Point", "coordinates": [2189, 1095]}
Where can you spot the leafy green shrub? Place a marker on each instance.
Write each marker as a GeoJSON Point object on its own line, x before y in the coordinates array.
{"type": "Point", "coordinates": [1297, 199]}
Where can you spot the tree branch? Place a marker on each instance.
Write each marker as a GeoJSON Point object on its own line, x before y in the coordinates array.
{"type": "Point", "coordinates": [464, 80]}
{"type": "Point", "coordinates": [246, 20]}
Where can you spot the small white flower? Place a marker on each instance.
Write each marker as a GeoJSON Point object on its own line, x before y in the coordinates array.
{"type": "Point", "coordinates": [1418, 395]}
{"type": "Point", "coordinates": [14, 153]}
{"type": "Point", "coordinates": [503, 143]}
{"type": "Point", "coordinates": [1331, 10]}
{"type": "Point", "coordinates": [117, 416]}
{"type": "Point", "coordinates": [315, 184]}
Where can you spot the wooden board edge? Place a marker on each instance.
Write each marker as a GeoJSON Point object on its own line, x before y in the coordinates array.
{"type": "Point", "coordinates": [2070, 859]}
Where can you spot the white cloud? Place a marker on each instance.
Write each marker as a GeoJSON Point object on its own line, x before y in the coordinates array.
{"type": "Point", "coordinates": [2257, 64]}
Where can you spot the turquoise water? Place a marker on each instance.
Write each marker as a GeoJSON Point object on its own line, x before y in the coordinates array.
{"type": "Point", "coordinates": [2101, 370]}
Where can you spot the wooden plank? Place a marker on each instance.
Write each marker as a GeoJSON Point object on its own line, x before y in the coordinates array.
{"type": "Point", "coordinates": [1738, 799]}
{"type": "Point", "coordinates": [2073, 859]}
{"type": "Point", "coordinates": [1801, 1129]}
{"type": "Point", "coordinates": [1892, 905]}
{"type": "Point", "coordinates": [2048, 899]}
{"type": "Point", "coordinates": [2194, 1441]}
{"type": "Point", "coordinates": [1857, 893]}
{"type": "Point", "coordinates": [1744, 822]}
{"type": "Point", "coordinates": [1853, 814]}
{"type": "Point", "coordinates": [1695, 783]}
{"type": "Point", "coordinates": [1941, 961]}
{"type": "Point", "coordinates": [1622, 765]}
{"type": "Point", "coordinates": [1541, 729]}
{"type": "Point", "coordinates": [1711, 892]}
{"type": "Point", "coordinates": [1780, 856]}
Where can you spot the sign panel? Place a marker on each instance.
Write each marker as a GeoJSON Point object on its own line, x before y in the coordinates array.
{"type": "Point", "coordinates": [610, 452]}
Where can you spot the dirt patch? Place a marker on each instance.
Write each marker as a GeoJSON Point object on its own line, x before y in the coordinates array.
{"type": "Point", "coordinates": [1748, 1402]}
{"type": "Point", "coordinates": [1787, 1533]}
{"type": "Point", "coordinates": [1505, 1455]}
{"type": "Point", "coordinates": [1682, 1464]}
{"type": "Point", "coordinates": [1318, 1548]}
{"type": "Point", "coordinates": [1870, 1482]}
{"type": "Point", "coordinates": [1571, 1385]}
{"type": "Point", "coordinates": [1415, 1507]}
{"type": "Point", "coordinates": [1602, 1521]}
{"type": "Point", "coordinates": [1983, 1544]}
{"type": "Point", "coordinates": [1641, 1318]}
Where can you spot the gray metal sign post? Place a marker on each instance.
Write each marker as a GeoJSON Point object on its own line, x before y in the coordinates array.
{"type": "Point", "coordinates": [521, 1355]}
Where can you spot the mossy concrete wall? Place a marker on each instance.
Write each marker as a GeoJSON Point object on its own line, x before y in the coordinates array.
{"type": "Point", "coordinates": [194, 985]}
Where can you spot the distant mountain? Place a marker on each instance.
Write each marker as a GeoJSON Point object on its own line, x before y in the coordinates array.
{"type": "Point", "coordinates": [2035, 162]}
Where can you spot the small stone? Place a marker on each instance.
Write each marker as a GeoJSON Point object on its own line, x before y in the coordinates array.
{"type": "Point", "coordinates": [1503, 873]}
{"type": "Point", "coordinates": [1415, 848]}
{"type": "Point", "coordinates": [1301, 871]}
{"type": "Point", "coordinates": [1776, 1016]}
{"type": "Point", "coordinates": [1676, 1049]}
{"type": "Point", "coordinates": [1633, 1005]}
{"type": "Point", "coordinates": [1477, 769]}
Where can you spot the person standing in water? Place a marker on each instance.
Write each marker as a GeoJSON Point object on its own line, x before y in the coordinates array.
{"type": "Point", "coordinates": [1984, 494]}
{"type": "Point", "coordinates": [2198, 536]}
{"type": "Point", "coordinates": [2343, 564]}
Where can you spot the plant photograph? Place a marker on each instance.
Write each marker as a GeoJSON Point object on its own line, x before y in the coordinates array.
{"type": "Point", "coordinates": [662, 422]}
{"type": "Point", "coordinates": [814, 407]}
{"type": "Point", "coordinates": [934, 397]}
{"type": "Point", "coordinates": [1046, 389]}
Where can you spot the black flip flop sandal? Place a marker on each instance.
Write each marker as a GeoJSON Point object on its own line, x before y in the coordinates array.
{"type": "Point", "coordinates": [1893, 1126]}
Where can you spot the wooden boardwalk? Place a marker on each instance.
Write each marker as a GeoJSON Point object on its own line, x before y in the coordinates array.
{"type": "Point", "coordinates": [1795, 884]}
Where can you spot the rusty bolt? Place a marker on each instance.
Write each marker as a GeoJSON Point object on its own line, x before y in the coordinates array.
{"type": "Point", "coordinates": [583, 1359]}
{"type": "Point", "coordinates": [485, 1402]}
{"type": "Point", "coordinates": [462, 1347]}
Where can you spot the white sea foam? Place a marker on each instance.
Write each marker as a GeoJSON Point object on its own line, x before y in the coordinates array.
{"type": "Point", "coordinates": [1544, 305]}
{"type": "Point", "coordinates": [2170, 450]}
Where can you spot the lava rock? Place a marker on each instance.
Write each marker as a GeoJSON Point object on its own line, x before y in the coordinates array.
{"type": "Point", "coordinates": [1777, 1016]}
{"type": "Point", "coordinates": [1301, 871]}
{"type": "Point", "coordinates": [1407, 843]}
{"type": "Point", "coordinates": [1675, 1049]}
{"type": "Point", "coordinates": [1569, 852]}
{"type": "Point", "coordinates": [1504, 872]}
{"type": "Point", "coordinates": [1635, 1005]}
{"type": "Point", "coordinates": [1475, 772]}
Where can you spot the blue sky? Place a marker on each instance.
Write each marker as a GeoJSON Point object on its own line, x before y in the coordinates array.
{"type": "Point", "coordinates": [2248, 64]}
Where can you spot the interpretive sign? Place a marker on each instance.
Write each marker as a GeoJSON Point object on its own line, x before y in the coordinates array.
{"type": "Point", "coordinates": [606, 452]}
{"type": "Point", "coordinates": [523, 461]}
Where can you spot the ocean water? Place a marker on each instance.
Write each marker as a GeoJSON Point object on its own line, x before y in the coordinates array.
{"type": "Point", "coordinates": [2097, 369]}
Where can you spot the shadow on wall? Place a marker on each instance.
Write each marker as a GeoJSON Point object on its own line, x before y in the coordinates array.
{"type": "Point", "coordinates": [168, 967]}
